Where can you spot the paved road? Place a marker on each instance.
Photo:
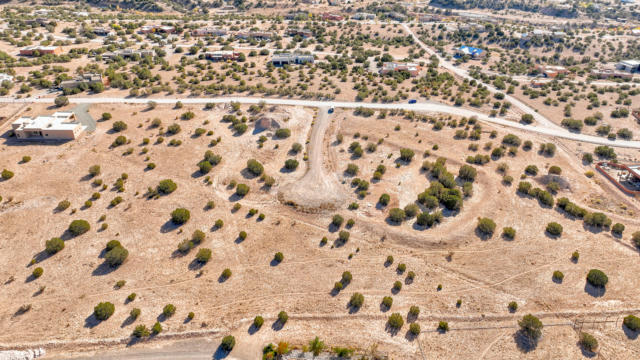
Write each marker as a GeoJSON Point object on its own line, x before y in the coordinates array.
{"type": "Point", "coordinates": [554, 131]}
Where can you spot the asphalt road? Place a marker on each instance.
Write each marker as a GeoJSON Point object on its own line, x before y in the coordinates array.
{"type": "Point", "coordinates": [553, 131]}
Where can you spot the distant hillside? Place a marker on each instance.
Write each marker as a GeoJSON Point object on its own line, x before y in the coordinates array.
{"type": "Point", "coordinates": [145, 5]}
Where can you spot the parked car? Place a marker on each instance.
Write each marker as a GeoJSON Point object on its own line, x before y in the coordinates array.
{"type": "Point", "coordinates": [331, 110]}
{"type": "Point", "coordinates": [412, 101]}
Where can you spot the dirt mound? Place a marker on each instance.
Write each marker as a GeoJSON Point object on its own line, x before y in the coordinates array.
{"type": "Point", "coordinates": [267, 123]}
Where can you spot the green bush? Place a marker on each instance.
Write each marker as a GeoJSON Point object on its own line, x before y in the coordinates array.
{"type": "Point", "coordinates": [169, 310]}
{"type": "Point", "coordinates": [397, 285]}
{"type": "Point", "coordinates": [337, 220]}
{"type": "Point", "coordinates": [61, 101]}
{"type": "Point", "coordinates": [258, 321]}
{"type": "Point", "coordinates": [119, 126]}
{"type": "Point", "coordinates": [79, 227]}
{"type": "Point", "coordinates": [131, 297]}
{"type": "Point", "coordinates": [509, 232]}
{"type": "Point", "coordinates": [588, 341]}
{"type": "Point", "coordinates": [198, 236]}
{"type": "Point", "coordinates": [104, 310]}
{"type": "Point", "coordinates": [554, 229]}
{"type": "Point", "coordinates": [397, 215]}
{"type": "Point", "coordinates": [395, 321]}
{"type": "Point", "coordinates": [414, 328]}
{"type": "Point", "coordinates": [467, 173]}
{"type": "Point", "coordinates": [352, 170]}
{"type": "Point", "coordinates": [411, 210]}
{"type": "Point", "coordinates": [531, 326]}
{"type": "Point", "coordinates": [203, 255]}
{"type": "Point", "coordinates": [226, 273]}
{"type": "Point", "coordinates": [156, 328]}
{"type": "Point", "coordinates": [283, 317]}
{"type": "Point", "coordinates": [278, 257]}
{"type": "Point", "coordinates": [343, 236]}
{"type": "Point", "coordinates": [387, 301]}
{"type": "Point", "coordinates": [558, 276]}
{"type": "Point", "coordinates": [414, 311]}
{"type": "Point", "coordinates": [141, 331]}
{"type": "Point", "coordinates": [635, 237]}
{"type": "Point", "coordinates": [173, 129]}
{"type": "Point", "coordinates": [486, 226]}
{"type": "Point", "coordinates": [242, 189]}
{"type": "Point", "coordinates": [54, 245]}
{"type": "Point", "coordinates": [617, 229]}
{"type": "Point", "coordinates": [384, 199]}
{"type": "Point", "coordinates": [255, 167]}
{"type": "Point", "coordinates": [283, 133]}
{"type": "Point", "coordinates": [112, 244]}
{"type": "Point", "coordinates": [513, 306]}
{"type": "Point", "coordinates": [37, 272]}
{"type": "Point", "coordinates": [406, 154]}
{"type": "Point", "coordinates": [204, 166]}
{"type": "Point", "coordinates": [531, 170]}
{"type": "Point", "coordinates": [443, 326]}
{"type": "Point", "coordinates": [63, 205]}
{"type": "Point", "coordinates": [291, 164]}
{"type": "Point", "coordinates": [597, 278]}
{"type": "Point", "coordinates": [116, 256]}
{"type": "Point", "coordinates": [356, 300]}
{"type": "Point", "coordinates": [228, 342]}
{"type": "Point", "coordinates": [167, 186]}
{"type": "Point", "coordinates": [401, 268]}
{"type": "Point", "coordinates": [180, 216]}
{"type": "Point", "coordinates": [632, 322]}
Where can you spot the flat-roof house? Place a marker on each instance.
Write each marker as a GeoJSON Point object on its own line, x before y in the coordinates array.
{"type": "Point", "coordinates": [363, 16]}
{"type": "Point", "coordinates": [58, 126]}
{"type": "Point", "coordinates": [147, 29]}
{"type": "Point", "coordinates": [40, 50]}
{"type": "Point", "coordinates": [221, 55]}
{"type": "Point", "coordinates": [332, 17]}
{"type": "Point", "coordinates": [607, 73]}
{"type": "Point", "coordinates": [628, 65]}
{"type": "Point", "coordinates": [103, 31]}
{"type": "Point", "coordinates": [84, 79]}
{"type": "Point", "coordinates": [302, 32]}
{"type": "Point", "coordinates": [126, 53]}
{"type": "Point", "coordinates": [209, 31]}
{"type": "Point", "coordinates": [390, 67]}
{"type": "Point", "coordinates": [5, 77]}
{"type": "Point", "coordinates": [290, 59]}
{"type": "Point", "coordinates": [551, 71]}
{"type": "Point", "coordinates": [259, 35]}
{"type": "Point", "coordinates": [474, 52]}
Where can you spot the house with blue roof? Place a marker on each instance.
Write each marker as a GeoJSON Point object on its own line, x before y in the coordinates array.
{"type": "Point", "coordinates": [473, 52]}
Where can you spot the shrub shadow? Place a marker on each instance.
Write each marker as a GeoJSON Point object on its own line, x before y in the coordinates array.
{"type": "Point", "coordinates": [220, 353]}
{"type": "Point", "coordinates": [630, 334]}
{"type": "Point", "coordinates": [524, 343]}
{"type": "Point", "coordinates": [103, 269]}
{"type": "Point", "coordinates": [168, 226]}
{"type": "Point", "coordinates": [595, 291]}
{"type": "Point", "coordinates": [91, 321]}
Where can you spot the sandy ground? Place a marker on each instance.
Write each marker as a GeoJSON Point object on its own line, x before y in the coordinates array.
{"type": "Point", "coordinates": [485, 274]}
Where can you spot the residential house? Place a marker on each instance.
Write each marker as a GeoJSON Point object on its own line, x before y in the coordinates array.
{"type": "Point", "coordinates": [290, 59]}
{"type": "Point", "coordinates": [221, 55]}
{"type": "Point", "coordinates": [259, 35]}
{"type": "Point", "coordinates": [5, 77]}
{"type": "Point", "coordinates": [608, 73]}
{"type": "Point", "coordinates": [126, 53]}
{"type": "Point", "coordinates": [332, 17]}
{"type": "Point", "coordinates": [103, 31]}
{"type": "Point", "coordinates": [58, 126]}
{"type": "Point", "coordinates": [390, 67]}
{"type": "Point", "coordinates": [473, 52]}
{"type": "Point", "coordinates": [302, 32]}
{"type": "Point", "coordinates": [84, 79]}
{"type": "Point", "coordinates": [38, 50]}
{"type": "Point", "coordinates": [551, 71]}
{"type": "Point", "coordinates": [628, 65]}
{"type": "Point", "coordinates": [397, 16]}
{"type": "Point", "coordinates": [209, 31]}
{"type": "Point", "coordinates": [148, 29]}
{"type": "Point", "coordinates": [363, 16]}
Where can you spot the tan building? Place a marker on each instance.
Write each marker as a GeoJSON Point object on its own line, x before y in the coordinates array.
{"type": "Point", "coordinates": [389, 67]}
{"type": "Point", "coordinates": [58, 126]}
{"type": "Point", "coordinates": [84, 79]}
{"type": "Point", "coordinates": [40, 50]}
